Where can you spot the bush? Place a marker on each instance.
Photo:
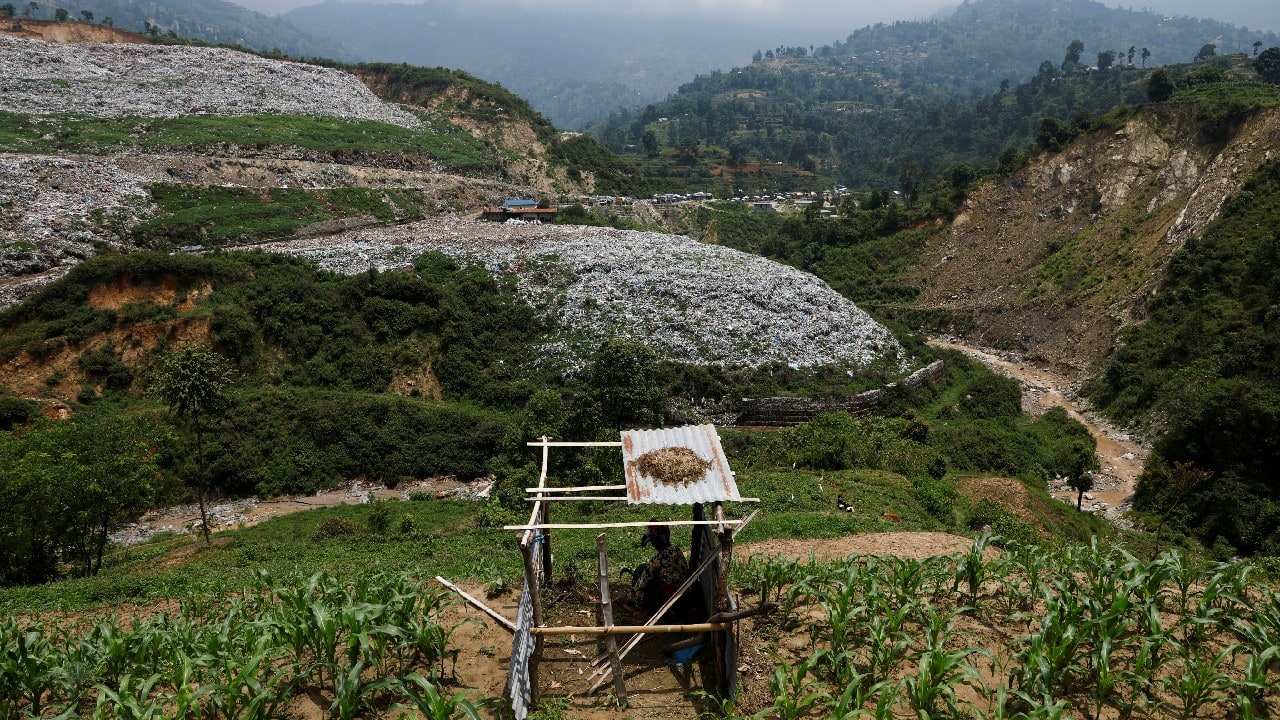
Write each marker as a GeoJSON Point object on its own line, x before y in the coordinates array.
{"type": "Point", "coordinates": [937, 497]}
{"type": "Point", "coordinates": [379, 520]}
{"type": "Point", "coordinates": [15, 411]}
{"type": "Point", "coordinates": [333, 527]}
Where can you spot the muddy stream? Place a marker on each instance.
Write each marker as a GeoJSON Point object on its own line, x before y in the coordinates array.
{"type": "Point", "coordinates": [1120, 454]}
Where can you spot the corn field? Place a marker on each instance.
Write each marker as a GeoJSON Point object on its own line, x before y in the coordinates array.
{"type": "Point", "coordinates": [1086, 632]}
{"type": "Point", "coordinates": [374, 647]}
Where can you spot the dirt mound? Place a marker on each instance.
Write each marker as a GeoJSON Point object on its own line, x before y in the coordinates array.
{"type": "Point", "coordinates": [903, 544]}
{"type": "Point", "coordinates": [71, 32]}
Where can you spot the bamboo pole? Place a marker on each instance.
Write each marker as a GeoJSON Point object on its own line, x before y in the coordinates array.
{"type": "Point", "coordinates": [606, 618]}
{"type": "Point", "coordinates": [580, 488]}
{"type": "Point", "coordinates": [564, 498]}
{"type": "Point", "coordinates": [504, 622]}
{"type": "Point", "coordinates": [721, 596]}
{"type": "Point", "coordinates": [597, 631]}
{"type": "Point", "coordinates": [603, 526]}
{"type": "Point", "coordinates": [545, 442]}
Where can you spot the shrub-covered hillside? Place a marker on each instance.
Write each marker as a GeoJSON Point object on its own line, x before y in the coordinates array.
{"type": "Point", "coordinates": [1204, 371]}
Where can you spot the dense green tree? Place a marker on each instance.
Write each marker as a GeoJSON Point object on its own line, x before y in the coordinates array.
{"type": "Point", "coordinates": [1071, 62]}
{"type": "Point", "coordinates": [194, 381]}
{"type": "Point", "coordinates": [65, 485]}
{"type": "Point", "coordinates": [15, 411]}
{"type": "Point", "coordinates": [8, 11]}
{"type": "Point", "coordinates": [1267, 64]}
{"type": "Point", "coordinates": [1145, 54]}
{"type": "Point", "coordinates": [1106, 59]}
{"type": "Point", "coordinates": [87, 15]}
{"type": "Point", "coordinates": [61, 14]}
{"type": "Point", "coordinates": [1159, 86]}
{"type": "Point", "coordinates": [1207, 52]}
{"type": "Point", "coordinates": [621, 378]}
{"type": "Point", "coordinates": [649, 140]}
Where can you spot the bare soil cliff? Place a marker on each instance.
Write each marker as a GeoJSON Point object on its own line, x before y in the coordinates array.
{"type": "Point", "coordinates": [1054, 260]}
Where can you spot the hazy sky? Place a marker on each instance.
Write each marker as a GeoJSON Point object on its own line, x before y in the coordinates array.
{"type": "Point", "coordinates": [836, 18]}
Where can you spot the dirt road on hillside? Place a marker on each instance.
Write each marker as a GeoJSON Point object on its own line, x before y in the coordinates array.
{"type": "Point", "coordinates": [1120, 455]}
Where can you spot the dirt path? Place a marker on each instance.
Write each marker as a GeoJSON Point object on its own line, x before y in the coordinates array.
{"type": "Point", "coordinates": [251, 511]}
{"type": "Point", "coordinates": [1120, 454]}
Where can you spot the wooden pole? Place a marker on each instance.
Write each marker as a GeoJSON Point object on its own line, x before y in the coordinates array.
{"type": "Point", "coordinates": [504, 622]}
{"type": "Point", "coordinates": [604, 526]}
{"type": "Point", "coordinates": [544, 517]}
{"type": "Point", "coordinates": [597, 631]}
{"type": "Point", "coordinates": [606, 619]}
{"type": "Point", "coordinates": [724, 537]}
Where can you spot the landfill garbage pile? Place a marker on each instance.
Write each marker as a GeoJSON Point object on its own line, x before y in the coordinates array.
{"type": "Point", "coordinates": [115, 80]}
{"type": "Point", "coordinates": [690, 301]}
{"type": "Point", "coordinates": [54, 211]}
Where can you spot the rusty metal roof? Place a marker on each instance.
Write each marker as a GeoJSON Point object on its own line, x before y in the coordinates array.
{"type": "Point", "coordinates": [716, 485]}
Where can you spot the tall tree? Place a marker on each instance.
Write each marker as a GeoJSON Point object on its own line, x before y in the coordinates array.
{"type": "Point", "coordinates": [1131, 51]}
{"type": "Point", "coordinates": [1145, 54]}
{"type": "Point", "coordinates": [1072, 60]}
{"type": "Point", "coordinates": [1106, 59]}
{"type": "Point", "coordinates": [1267, 64]}
{"type": "Point", "coordinates": [1160, 86]}
{"type": "Point", "coordinates": [30, 12]}
{"type": "Point", "coordinates": [622, 378]}
{"type": "Point", "coordinates": [194, 381]}
{"type": "Point", "coordinates": [650, 142]}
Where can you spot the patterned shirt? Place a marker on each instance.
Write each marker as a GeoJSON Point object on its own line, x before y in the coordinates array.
{"type": "Point", "coordinates": [668, 568]}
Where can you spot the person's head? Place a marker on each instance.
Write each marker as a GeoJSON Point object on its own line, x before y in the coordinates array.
{"type": "Point", "coordinates": [659, 535]}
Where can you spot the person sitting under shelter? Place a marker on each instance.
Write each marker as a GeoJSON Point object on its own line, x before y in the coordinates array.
{"type": "Point", "coordinates": [658, 580]}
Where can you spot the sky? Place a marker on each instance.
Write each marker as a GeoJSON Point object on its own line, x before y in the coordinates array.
{"type": "Point", "coordinates": [837, 17]}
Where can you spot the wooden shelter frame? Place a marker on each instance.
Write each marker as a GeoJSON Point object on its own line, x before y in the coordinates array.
{"type": "Point", "coordinates": [535, 547]}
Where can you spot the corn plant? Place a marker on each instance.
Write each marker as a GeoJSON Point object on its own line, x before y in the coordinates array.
{"type": "Point", "coordinates": [131, 700]}
{"type": "Point", "coordinates": [424, 697]}
{"type": "Point", "coordinates": [971, 570]}
{"type": "Point", "coordinates": [248, 686]}
{"type": "Point", "coordinates": [794, 690]}
{"type": "Point", "coordinates": [30, 670]}
{"type": "Point", "coordinates": [1197, 680]}
{"type": "Point", "coordinates": [1048, 657]}
{"type": "Point", "coordinates": [887, 641]}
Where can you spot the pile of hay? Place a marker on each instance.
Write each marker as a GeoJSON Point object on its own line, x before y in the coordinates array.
{"type": "Point", "coordinates": [672, 465]}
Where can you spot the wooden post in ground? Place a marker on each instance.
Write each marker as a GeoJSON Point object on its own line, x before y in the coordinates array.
{"type": "Point", "coordinates": [606, 620]}
{"type": "Point", "coordinates": [724, 537]}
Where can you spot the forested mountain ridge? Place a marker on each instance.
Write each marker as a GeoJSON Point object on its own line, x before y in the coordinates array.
{"type": "Point", "coordinates": [928, 94]}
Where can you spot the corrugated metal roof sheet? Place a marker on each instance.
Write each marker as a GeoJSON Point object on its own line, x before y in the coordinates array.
{"type": "Point", "coordinates": [716, 485]}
